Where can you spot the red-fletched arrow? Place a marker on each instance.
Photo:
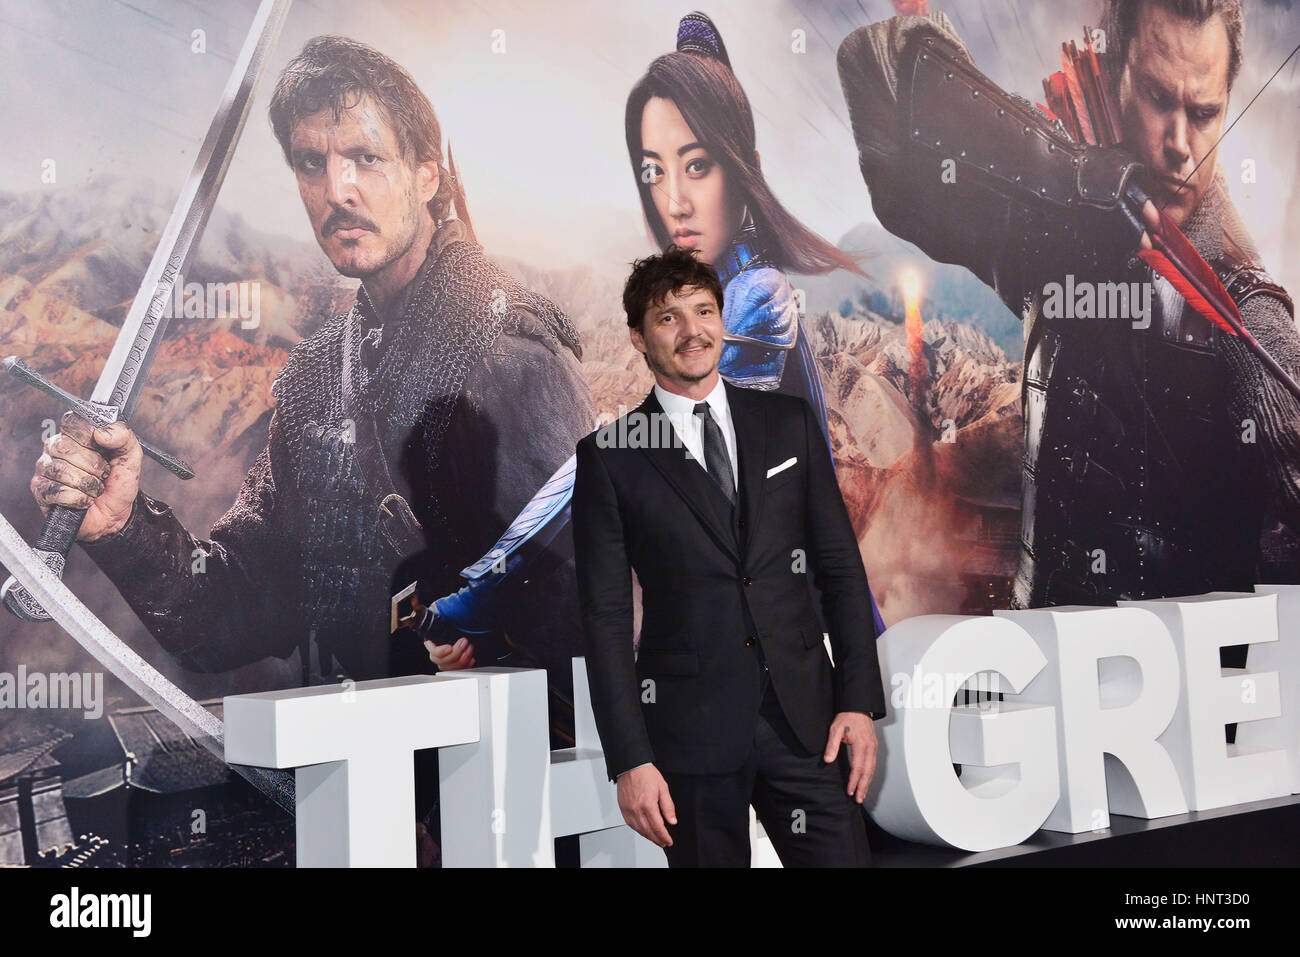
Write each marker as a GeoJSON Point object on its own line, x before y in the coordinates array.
{"type": "Point", "coordinates": [1161, 263]}
{"type": "Point", "coordinates": [1173, 256]}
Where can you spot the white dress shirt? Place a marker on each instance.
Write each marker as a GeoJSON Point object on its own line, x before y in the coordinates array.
{"type": "Point", "coordinates": [689, 428]}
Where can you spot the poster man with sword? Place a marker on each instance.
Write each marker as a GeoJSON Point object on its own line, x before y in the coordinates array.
{"type": "Point", "coordinates": [407, 434]}
{"type": "Point", "coordinates": [35, 592]}
{"type": "Point", "coordinates": [423, 374]}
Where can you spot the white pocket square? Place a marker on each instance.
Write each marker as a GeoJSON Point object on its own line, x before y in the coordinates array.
{"type": "Point", "coordinates": [783, 466]}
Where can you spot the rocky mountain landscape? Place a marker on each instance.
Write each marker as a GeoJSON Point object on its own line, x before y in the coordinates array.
{"type": "Point", "coordinates": [922, 469]}
{"type": "Point", "coordinates": [926, 477]}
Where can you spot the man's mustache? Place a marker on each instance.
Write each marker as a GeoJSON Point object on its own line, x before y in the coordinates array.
{"type": "Point", "coordinates": [341, 220]}
{"type": "Point", "coordinates": [706, 343]}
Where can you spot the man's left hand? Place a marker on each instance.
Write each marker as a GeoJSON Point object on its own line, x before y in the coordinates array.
{"type": "Point", "coordinates": [857, 731]}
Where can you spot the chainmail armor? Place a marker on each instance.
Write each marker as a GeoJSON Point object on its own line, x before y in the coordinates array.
{"type": "Point", "coordinates": [300, 555]}
{"type": "Point", "coordinates": [459, 308]}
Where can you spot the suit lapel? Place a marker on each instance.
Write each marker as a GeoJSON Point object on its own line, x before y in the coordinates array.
{"type": "Point", "coordinates": [689, 479]}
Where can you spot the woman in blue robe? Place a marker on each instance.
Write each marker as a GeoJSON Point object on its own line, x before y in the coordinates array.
{"type": "Point", "coordinates": [690, 138]}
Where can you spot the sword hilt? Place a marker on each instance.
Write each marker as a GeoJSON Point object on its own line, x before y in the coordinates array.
{"type": "Point", "coordinates": [99, 416]}
{"type": "Point", "coordinates": [62, 523]}
{"type": "Point", "coordinates": [57, 537]}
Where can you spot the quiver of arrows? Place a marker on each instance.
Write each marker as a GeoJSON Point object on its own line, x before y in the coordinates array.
{"type": "Point", "coordinates": [1079, 95]}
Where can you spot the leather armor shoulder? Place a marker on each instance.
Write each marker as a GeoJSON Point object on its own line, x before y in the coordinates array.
{"type": "Point", "coordinates": [1244, 281]}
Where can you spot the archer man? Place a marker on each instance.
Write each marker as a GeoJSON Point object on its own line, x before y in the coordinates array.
{"type": "Point", "coordinates": [1156, 447]}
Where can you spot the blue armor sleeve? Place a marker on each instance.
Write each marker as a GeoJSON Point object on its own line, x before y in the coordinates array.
{"type": "Point", "coordinates": [761, 320]}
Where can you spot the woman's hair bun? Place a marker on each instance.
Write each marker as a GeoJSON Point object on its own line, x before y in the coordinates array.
{"type": "Point", "coordinates": [697, 34]}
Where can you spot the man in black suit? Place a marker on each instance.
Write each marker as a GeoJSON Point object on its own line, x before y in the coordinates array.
{"type": "Point", "coordinates": [721, 499]}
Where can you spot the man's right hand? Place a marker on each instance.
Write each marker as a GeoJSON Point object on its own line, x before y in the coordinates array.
{"type": "Point", "coordinates": [93, 469]}
{"type": "Point", "coordinates": [453, 657]}
{"type": "Point", "coordinates": [645, 802]}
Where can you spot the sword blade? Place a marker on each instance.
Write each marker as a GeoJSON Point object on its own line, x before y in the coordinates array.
{"type": "Point", "coordinates": [549, 501]}
{"type": "Point", "coordinates": [132, 670]}
{"type": "Point", "coordinates": [124, 373]}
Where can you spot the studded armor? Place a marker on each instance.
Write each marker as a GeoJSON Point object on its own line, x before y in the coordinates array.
{"type": "Point", "coordinates": [1154, 444]}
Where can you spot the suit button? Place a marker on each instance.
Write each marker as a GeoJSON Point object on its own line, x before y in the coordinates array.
{"type": "Point", "coordinates": [750, 642]}
{"type": "Point", "coordinates": [748, 582]}
{"type": "Point", "coordinates": [740, 523]}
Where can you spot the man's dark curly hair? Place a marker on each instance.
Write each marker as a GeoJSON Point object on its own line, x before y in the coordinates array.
{"type": "Point", "coordinates": [654, 277]}
{"type": "Point", "coordinates": [335, 73]}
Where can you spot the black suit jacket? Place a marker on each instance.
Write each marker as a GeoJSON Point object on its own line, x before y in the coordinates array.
{"type": "Point", "coordinates": [716, 594]}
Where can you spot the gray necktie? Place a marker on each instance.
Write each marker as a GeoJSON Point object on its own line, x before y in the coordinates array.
{"type": "Point", "coordinates": [716, 460]}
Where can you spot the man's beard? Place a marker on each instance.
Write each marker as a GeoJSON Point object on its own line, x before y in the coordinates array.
{"type": "Point", "coordinates": [362, 270]}
{"type": "Point", "coordinates": [668, 370]}
{"type": "Point", "coordinates": [395, 251]}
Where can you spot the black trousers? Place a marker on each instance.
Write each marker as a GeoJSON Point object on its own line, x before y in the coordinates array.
{"type": "Point", "coordinates": [799, 799]}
